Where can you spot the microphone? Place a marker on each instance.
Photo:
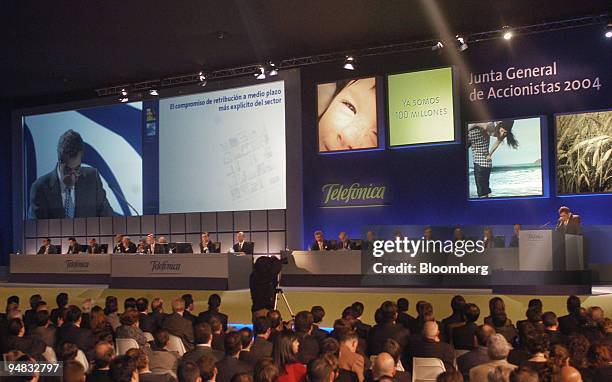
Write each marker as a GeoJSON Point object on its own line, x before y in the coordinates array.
{"type": "Point", "coordinates": [545, 225]}
{"type": "Point", "coordinates": [122, 198]}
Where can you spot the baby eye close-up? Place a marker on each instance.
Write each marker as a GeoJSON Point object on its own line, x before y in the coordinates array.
{"type": "Point", "coordinates": [350, 106]}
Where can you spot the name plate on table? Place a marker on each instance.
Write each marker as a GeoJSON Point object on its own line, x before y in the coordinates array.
{"type": "Point", "coordinates": [72, 264]}
{"type": "Point", "coordinates": [177, 265]}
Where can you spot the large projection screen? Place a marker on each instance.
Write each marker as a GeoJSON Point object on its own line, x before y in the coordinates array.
{"type": "Point", "coordinates": [223, 150]}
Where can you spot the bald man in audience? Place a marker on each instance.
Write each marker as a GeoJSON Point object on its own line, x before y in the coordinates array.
{"type": "Point", "coordinates": [384, 367]}
{"type": "Point", "coordinates": [569, 374]}
{"type": "Point", "coordinates": [103, 355]}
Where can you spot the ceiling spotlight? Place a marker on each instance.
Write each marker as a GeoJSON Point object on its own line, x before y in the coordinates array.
{"type": "Point", "coordinates": [123, 95]}
{"type": "Point", "coordinates": [608, 31]}
{"type": "Point", "coordinates": [349, 63]}
{"type": "Point", "coordinates": [153, 92]}
{"type": "Point", "coordinates": [202, 78]}
{"type": "Point", "coordinates": [273, 71]}
{"type": "Point", "coordinates": [507, 33]}
{"type": "Point", "coordinates": [462, 44]}
{"type": "Point", "coordinates": [260, 73]}
{"type": "Point", "coordinates": [439, 45]}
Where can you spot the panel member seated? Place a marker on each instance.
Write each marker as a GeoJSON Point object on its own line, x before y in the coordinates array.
{"type": "Point", "coordinates": [46, 248]}
{"type": "Point", "coordinates": [152, 246]}
{"type": "Point", "coordinates": [206, 245]}
{"type": "Point", "coordinates": [127, 246]}
{"type": "Point", "coordinates": [344, 242]}
{"type": "Point", "coordinates": [488, 238]}
{"type": "Point", "coordinates": [246, 247]}
{"type": "Point", "coordinates": [142, 246]}
{"type": "Point", "coordinates": [93, 246]}
{"type": "Point", "coordinates": [514, 240]}
{"type": "Point", "coordinates": [320, 244]}
{"type": "Point", "coordinates": [117, 246]}
{"type": "Point", "coordinates": [568, 223]}
{"type": "Point", "coordinates": [368, 244]}
{"type": "Point", "coordinates": [69, 190]}
{"type": "Point", "coordinates": [73, 247]}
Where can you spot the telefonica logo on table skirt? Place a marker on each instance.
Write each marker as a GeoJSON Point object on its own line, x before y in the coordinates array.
{"type": "Point", "coordinates": [76, 264]}
{"type": "Point", "coordinates": [354, 194]}
{"type": "Point", "coordinates": [164, 267]}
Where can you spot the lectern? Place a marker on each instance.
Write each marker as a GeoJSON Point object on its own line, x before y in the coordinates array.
{"type": "Point", "coordinates": [548, 250]}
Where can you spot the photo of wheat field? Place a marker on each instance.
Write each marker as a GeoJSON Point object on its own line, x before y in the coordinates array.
{"type": "Point", "coordinates": [584, 153]}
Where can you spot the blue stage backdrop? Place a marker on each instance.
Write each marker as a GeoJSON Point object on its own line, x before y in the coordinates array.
{"type": "Point", "coordinates": [428, 185]}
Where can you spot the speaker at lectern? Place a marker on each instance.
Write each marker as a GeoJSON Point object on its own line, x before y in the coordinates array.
{"type": "Point", "coordinates": [548, 250]}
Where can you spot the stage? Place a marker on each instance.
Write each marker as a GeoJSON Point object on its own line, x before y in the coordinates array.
{"type": "Point", "coordinates": [236, 303]}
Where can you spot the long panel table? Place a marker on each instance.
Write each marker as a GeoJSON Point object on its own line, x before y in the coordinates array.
{"type": "Point", "coordinates": [177, 271]}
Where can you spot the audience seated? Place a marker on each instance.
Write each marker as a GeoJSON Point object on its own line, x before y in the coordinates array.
{"type": "Point", "coordinates": [277, 351]}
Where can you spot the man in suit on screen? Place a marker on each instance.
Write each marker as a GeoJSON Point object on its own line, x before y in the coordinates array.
{"type": "Point", "coordinates": [568, 223]}
{"type": "Point", "coordinates": [46, 248]}
{"type": "Point", "coordinates": [69, 190]}
{"type": "Point", "coordinates": [246, 247]}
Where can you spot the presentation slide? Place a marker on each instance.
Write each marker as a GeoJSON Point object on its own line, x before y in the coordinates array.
{"type": "Point", "coordinates": [584, 153]}
{"type": "Point", "coordinates": [96, 153]}
{"type": "Point", "coordinates": [505, 158]}
{"type": "Point", "coordinates": [421, 107]}
{"type": "Point", "coordinates": [223, 150]}
{"type": "Point", "coordinates": [348, 115]}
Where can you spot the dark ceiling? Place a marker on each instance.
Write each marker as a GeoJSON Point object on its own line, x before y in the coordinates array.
{"type": "Point", "coordinates": [50, 48]}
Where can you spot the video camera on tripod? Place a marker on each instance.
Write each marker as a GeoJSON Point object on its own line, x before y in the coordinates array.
{"type": "Point", "coordinates": [264, 282]}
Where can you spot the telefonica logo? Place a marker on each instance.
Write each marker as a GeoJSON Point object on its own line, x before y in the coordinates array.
{"type": "Point", "coordinates": [334, 194]}
{"type": "Point", "coordinates": [164, 266]}
{"type": "Point", "coordinates": [76, 264]}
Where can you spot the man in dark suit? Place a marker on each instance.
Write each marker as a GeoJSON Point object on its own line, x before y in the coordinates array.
{"type": "Point", "coordinates": [403, 318]}
{"type": "Point", "coordinates": [429, 346]}
{"type": "Point", "coordinates": [71, 331]}
{"type": "Point", "coordinates": [146, 322]}
{"type": "Point", "coordinates": [153, 247]}
{"type": "Point", "coordinates": [93, 246]}
{"type": "Point", "coordinates": [161, 360]}
{"type": "Point", "coordinates": [29, 317]}
{"type": "Point", "coordinates": [127, 246]}
{"type": "Point", "coordinates": [230, 365]}
{"type": "Point", "coordinates": [188, 299]}
{"type": "Point", "coordinates": [514, 240]}
{"type": "Point", "coordinates": [102, 356]}
{"type": "Point", "coordinates": [62, 303]}
{"type": "Point", "coordinates": [143, 366]}
{"type": "Point", "coordinates": [368, 244]}
{"type": "Point", "coordinates": [570, 323]}
{"type": "Point", "coordinates": [387, 328]}
{"type": "Point", "coordinates": [17, 340]}
{"type": "Point", "coordinates": [69, 190]}
{"type": "Point", "coordinates": [309, 346]}
{"type": "Point", "coordinates": [344, 242]}
{"type": "Point", "coordinates": [261, 347]}
{"type": "Point", "coordinates": [206, 245]}
{"type": "Point", "coordinates": [320, 244]}
{"type": "Point", "coordinates": [456, 318]}
{"type": "Point", "coordinates": [44, 330]}
{"type": "Point", "coordinates": [479, 355]}
{"type": "Point", "coordinates": [362, 328]}
{"type": "Point", "coordinates": [551, 328]}
{"type": "Point", "coordinates": [46, 248]}
{"type": "Point", "coordinates": [203, 339]}
{"type": "Point", "coordinates": [74, 248]}
{"type": "Point", "coordinates": [179, 326]}
{"type": "Point", "coordinates": [568, 223]}
{"type": "Point", "coordinates": [463, 335]}
{"type": "Point", "coordinates": [214, 304]}
{"type": "Point", "coordinates": [242, 246]}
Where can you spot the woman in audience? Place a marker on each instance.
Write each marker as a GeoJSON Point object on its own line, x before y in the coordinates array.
{"type": "Point", "coordinates": [284, 352]}
{"type": "Point", "coordinates": [100, 326]}
{"type": "Point", "coordinates": [129, 327]}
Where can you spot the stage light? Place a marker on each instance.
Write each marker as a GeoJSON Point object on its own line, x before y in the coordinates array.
{"type": "Point", "coordinates": [439, 45]}
{"type": "Point", "coordinates": [608, 31]}
{"type": "Point", "coordinates": [507, 33]}
{"type": "Point", "coordinates": [462, 45]}
{"type": "Point", "coordinates": [202, 78]}
{"type": "Point", "coordinates": [123, 95]}
{"type": "Point", "coordinates": [273, 71]}
{"type": "Point", "coordinates": [153, 92]}
{"type": "Point", "coordinates": [260, 73]}
{"type": "Point", "coordinates": [349, 63]}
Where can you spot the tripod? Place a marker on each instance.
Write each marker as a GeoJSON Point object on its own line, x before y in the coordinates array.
{"type": "Point", "coordinates": [280, 293]}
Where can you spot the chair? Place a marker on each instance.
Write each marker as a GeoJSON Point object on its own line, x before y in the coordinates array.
{"type": "Point", "coordinates": [49, 355]}
{"type": "Point", "coordinates": [426, 369]}
{"type": "Point", "coordinates": [460, 352]}
{"type": "Point", "coordinates": [80, 358]}
{"type": "Point", "coordinates": [148, 336]}
{"type": "Point", "coordinates": [217, 245]}
{"type": "Point", "coordinates": [176, 344]}
{"type": "Point", "coordinates": [125, 344]}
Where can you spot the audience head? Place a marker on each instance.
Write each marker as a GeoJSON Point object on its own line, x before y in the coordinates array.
{"type": "Point", "coordinates": [320, 370]}
{"type": "Point", "coordinates": [103, 355]}
{"type": "Point", "coordinates": [61, 300]}
{"type": "Point", "coordinates": [157, 305]}
{"type": "Point", "coordinates": [284, 350]}
{"type": "Point", "coordinates": [123, 369]}
{"type": "Point", "coordinates": [384, 365]}
{"type": "Point", "coordinates": [569, 374]}
{"type": "Point", "coordinates": [202, 333]}
{"type": "Point", "coordinates": [457, 304]}
{"type": "Point", "coordinates": [549, 319]}
{"type": "Point", "coordinates": [130, 317]}
{"type": "Point", "coordinates": [599, 355]}
{"type": "Point", "coordinates": [72, 315]}
{"type": "Point", "coordinates": [483, 333]}
{"type": "Point", "coordinates": [388, 312]}
{"type": "Point", "coordinates": [207, 366]}
{"type": "Point", "coordinates": [535, 303]}
{"type": "Point", "coordinates": [402, 305]}
{"type": "Point", "coordinates": [430, 330]}
{"type": "Point", "coordinates": [261, 326]}
{"type": "Point", "coordinates": [214, 302]}
{"type": "Point", "coordinates": [573, 305]}
{"type": "Point", "coordinates": [178, 305]}
{"type": "Point", "coordinates": [534, 315]}
{"type": "Point", "coordinates": [537, 342]}
{"type": "Point", "coordinates": [393, 348]}
{"type": "Point", "coordinates": [317, 313]}
{"type": "Point", "coordinates": [129, 303]}
{"type": "Point", "coordinates": [275, 317]}
{"type": "Point", "coordinates": [497, 347]}
{"type": "Point", "coordinates": [265, 371]}
{"type": "Point", "coordinates": [357, 308]}
{"type": "Point", "coordinates": [67, 351]}
{"type": "Point", "coordinates": [161, 338]}
{"type": "Point", "coordinates": [303, 322]}
{"type": "Point", "coordinates": [73, 372]}
{"type": "Point", "coordinates": [348, 338]}
{"type": "Point", "coordinates": [188, 299]}
{"type": "Point", "coordinates": [499, 319]}
{"type": "Point", "coordinates": [450, 376]}
{"type": "Point", "coordinates": [42, 317]}
{"type": "Point", "coordinates": [34, 300]}
{"type": "Point", "coordinates": [16, 327]}
{"type": "Point", "coordinates": [330, 345]}
{"type": "Point", "coordinates": [496, 304]}
{"type": "Point", "coordinates": [246, 336]}
{"type": "Point", "coordinates": [189, 372]}
{"type": "Point", "coordinates": [578, 347]}
{"type": "Point", "coordinates": [142, 304]}
{"type": "Point", "coordinates": [232, 343]}
{"type": "Point", "coordinates": [111, 305]}
{"type": "Point", "coordinates": [471, 312]}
